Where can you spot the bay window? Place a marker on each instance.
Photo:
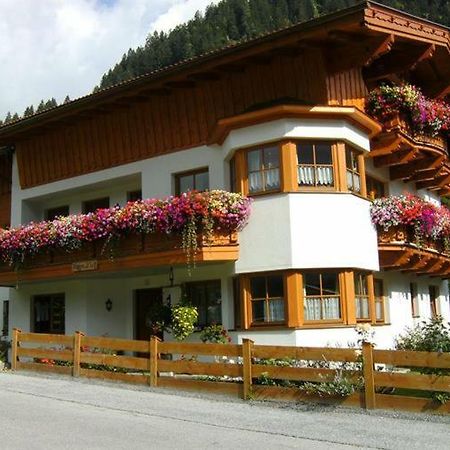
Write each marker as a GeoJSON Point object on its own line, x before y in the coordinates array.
{"type": "Point", "coordinates": [263, 169]}
{"type": "Point", "coordinates": [321, 299]}
{"type": "Point", "coordinates": [267, 299]}
{"type": "Point", "coordinates": [315, 165]}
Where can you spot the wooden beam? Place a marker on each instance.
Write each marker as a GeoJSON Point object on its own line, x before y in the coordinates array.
{"type": "Point", "coordinates": [441, 181]}
{"type": "Point", "coordinates": [405, 170]}
{"type": "Point", "coordinates": [444, 270]}
{"type": "Point", "coordinates": [428, 174]}
{"type": "Point", "coordinates": [422, 261]}
{"type": "Point", "coordinates": [398, 157]}
{"type": "Point", "coordinates": [432, 266]}
{"type": "Point", "coordinates": [204, 76]}
{"type": "Point", "coordinates": [381, 147]}
{"type": "Point", "coordinates": [398, 62]}
{"type": "Point", "coordinates": [181, 84]}
{"type": "Point", "coordinates": [395, 261]}
{"type": "Point", "coordinates": [360, 53]}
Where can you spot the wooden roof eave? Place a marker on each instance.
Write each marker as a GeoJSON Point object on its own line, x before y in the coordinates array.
{"type": "Point", "coordinates": [349, 113]}
{"type": "Point", "coordinates": [367, 17]}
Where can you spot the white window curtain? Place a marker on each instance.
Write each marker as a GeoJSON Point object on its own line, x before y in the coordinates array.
{"type": "Point", "coordinates": [272, 178]}
{"type": "Point", "coordinates": [379, 310]}
{"type": "Point", "coordinates": [353, 181]}
{"type": "Point", "coordinates": [312, 309]}
{"type": "Point", "coordinates": [255, 182]}
{"type": "Point", "coordinates": [331, 308]}
{"type": "Point", "coordinates": [318, 175]}
{"type": "Point", "coordinates": [276, 310]}
{"type": "Point", "coordinates": [362, 308]}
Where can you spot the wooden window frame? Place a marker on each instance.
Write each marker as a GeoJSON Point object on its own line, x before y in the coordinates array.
{"type": "Point", "coordinates": [51, 298]}
{"type": "Point", "coordinates": [261, 147]}
{"type": "Point", "coordinates": [132, 197]}
{"type": "Point", "coordinates": [87, 203]}
{"type": "Point", "coordinates": [289, 164]}
{"type": "Point", "coordinates": [246, 301]}
{"type": "Point", "coordinates": [51, 213]}
{"type": "Point", "coordinates": [414, 297]}
{"type": "Point", "coordinates": [361, 172]}
{"type": "Point", "coordinates": [334, 165]}
{"type": "Point", "coordinates": [192, 172]}
{"type": "Point", "coordinates": [370, 194]}
{"type": "Point", "coordinates": [341, 302]}
{"type": "Point", "coordinates": [191, 284]}
{"type": "Point", "coordinates": [370, 296]}
{"type": "Point", "coordinates": [434, 306]}
{"type": "Point", "coordinates": [293, 284]}
{"type": "Point", "coordinates": [379, 299]}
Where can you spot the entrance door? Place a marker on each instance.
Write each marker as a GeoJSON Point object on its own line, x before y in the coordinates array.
{"type": "Point", "coordinates": [149, 311]}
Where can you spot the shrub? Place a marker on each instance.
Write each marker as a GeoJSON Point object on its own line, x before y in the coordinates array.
{"type": "Point", "coordinates": [431, 336]}
{"type": "Point", "coordinates": [215, 334]}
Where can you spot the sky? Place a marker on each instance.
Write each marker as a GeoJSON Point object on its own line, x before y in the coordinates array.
{"type": "Point", "coordinates": [54, 48]}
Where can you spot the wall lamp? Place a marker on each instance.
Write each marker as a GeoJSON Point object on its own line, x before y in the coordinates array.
{"type": "Point", "coordinates": [108, 305]}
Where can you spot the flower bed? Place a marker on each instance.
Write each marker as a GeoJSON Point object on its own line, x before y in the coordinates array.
{"type": "Point", "coordinates": [424, 223]}
{"type": "Point", "coordinates": [184, 216]}
{"type": "Point", "coordinates": [423, 115]}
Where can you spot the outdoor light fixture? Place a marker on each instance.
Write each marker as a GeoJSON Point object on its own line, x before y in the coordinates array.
{"type": "Point", "coordinates": [171, 276]}
{"type": "Point", "coordinates": [108, 305]}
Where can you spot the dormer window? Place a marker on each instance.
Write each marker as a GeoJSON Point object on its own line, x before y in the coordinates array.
{"type": "Point", "coordinates": [315, 165]}
{"type": "Point", "coordinates": [263, 169]}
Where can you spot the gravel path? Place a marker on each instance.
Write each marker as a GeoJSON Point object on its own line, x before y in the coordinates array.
{"type": "Point", "coordinates": [48, 412]}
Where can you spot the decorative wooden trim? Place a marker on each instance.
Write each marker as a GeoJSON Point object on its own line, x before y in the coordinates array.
{"type": "Point", "coordinates": [118, 264]}
{"type": "Point", "coordinates": [340, 167]}
{"type": "Point", "coordinates": [371, 293]}
{"type": "Point", "coordinates": [362, 174]}
{"type": "Point", "coordinates": [288, 172]}
{"type": "Point", "coordinates": [244, 283]}
{"type": "Point", "coordinates": [353, 115]}
{"type": "Point", "coordinates": [294, 292]}
{"type": "Point", "coordinates": [348, 302]}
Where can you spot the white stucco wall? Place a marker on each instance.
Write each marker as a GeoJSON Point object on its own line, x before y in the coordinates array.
{"type": "Point", "coordinates": [308, 230]}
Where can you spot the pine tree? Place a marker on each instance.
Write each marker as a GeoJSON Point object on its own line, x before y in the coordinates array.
{"type": "Point", "coordinates": [67, 99]}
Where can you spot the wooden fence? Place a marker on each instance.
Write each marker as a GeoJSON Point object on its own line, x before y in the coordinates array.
{"type": "Point", "coordinates": [382, 378]}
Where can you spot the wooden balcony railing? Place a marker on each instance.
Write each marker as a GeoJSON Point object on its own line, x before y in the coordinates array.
{"type": "Point", "coordinates": [398, 250]}
{"type": "Point", "coordinates": [131, 252]}
{"type": "Point", "coordinates": [412, 157]}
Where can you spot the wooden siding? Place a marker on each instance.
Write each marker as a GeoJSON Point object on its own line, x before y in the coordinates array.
{"type": "Point", "coordinates": [165, 123]}
{"type": "Point", "coordinates": [5, 190]}
{"type": "Point", "coordinates": [347, 88]}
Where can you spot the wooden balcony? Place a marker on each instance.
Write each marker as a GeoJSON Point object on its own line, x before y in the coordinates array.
{"type": "Point", "coordinates": [133, 252]}
{"type": "Point", "coordinates": [398, 252]}
{"type": "Point", "coordinates": [412, 157]}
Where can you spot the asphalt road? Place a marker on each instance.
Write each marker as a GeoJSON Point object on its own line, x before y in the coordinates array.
{"type": "Point", "coordinates": [39, 412]}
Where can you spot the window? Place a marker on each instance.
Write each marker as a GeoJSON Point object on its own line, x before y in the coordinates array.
{"type": "Point", "coordinates": [375, 188]}
{"type": "Point", "coordinates": [321, 296]}
{"type": "Point", "coordinates": [5, 329]}
{"type": "Point", "coordinates": [434, 294]}
{"type": "Point", "coordinates": [53, 213]}
{"type": "Point", "coordinates": [263, 169]}
{"type": "Point", "coordinates": [361, 297]}
{"type": "Point", "coordinates": [237, 303]}
{"type": "Point", "coordinates": [315, 165]}
{"type": "Point", "coordinates": [378, 289]}
{"type": "Point", "coordinates": [207, 297]}
{"type": "Point", "coordinates": [92, 205]}
{"type": "Point", "coordinates": [267, 299]}
{"type": "Point", "coordinates": [414, 300]}
{"type": "Point", "coordinates": [49, 314]}
{"type": "Point", "coordinates": [233, 178]}
{"type": "Point", "coordinates": [195, 180]}
{"type": "Point", "coordinates": [353, 170]}
{"type": "Point", "coordinates": [134, 196]}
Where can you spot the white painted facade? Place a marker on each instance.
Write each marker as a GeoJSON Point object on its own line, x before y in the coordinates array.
{"type": "Point", "coordinates": [286, 231]}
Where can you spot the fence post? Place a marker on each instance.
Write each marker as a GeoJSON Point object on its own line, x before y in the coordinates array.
{"type": "Point", "coordinates": [15, 344]}
{"type": "Point", "coordinates": [153, 361]}
{"type": "Point", "coordinates": [77, 353]}
{"type": "Point", "coordinates": [247, 348]}
{"type": "Point", "coordinates": [368, 371]}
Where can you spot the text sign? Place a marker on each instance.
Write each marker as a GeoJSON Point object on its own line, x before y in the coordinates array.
{"type": "Point", "coordinates": [84, 266]}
